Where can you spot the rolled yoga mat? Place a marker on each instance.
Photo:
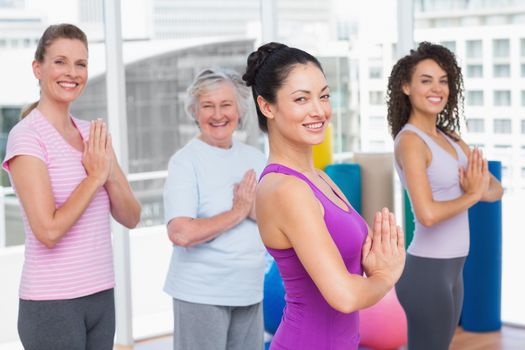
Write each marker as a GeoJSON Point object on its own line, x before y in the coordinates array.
{"type": "Point", "coordinates": [410, 225]}
{"type": "Point", "coordinates": [377, 179]}
{"type": "Point", "coordinates": [482, 273]}
{"type": "Point", "coordinates": [348, 178]}
{"type": "Point", "coordinates": [322, 152]}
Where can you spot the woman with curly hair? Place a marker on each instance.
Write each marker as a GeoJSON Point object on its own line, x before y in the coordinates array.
{"type": "Point", "coordinates": [444, 178]}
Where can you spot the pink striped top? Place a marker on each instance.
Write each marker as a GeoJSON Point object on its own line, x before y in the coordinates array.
{"type": "Point", "coordinates": [82, 262]}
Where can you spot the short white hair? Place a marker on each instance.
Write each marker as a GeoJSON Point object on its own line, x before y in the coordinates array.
{"type": "Point", "coordinates": [207, 80]}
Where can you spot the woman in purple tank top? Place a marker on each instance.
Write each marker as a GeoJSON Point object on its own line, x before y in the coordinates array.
{"type": "Point", "coordinates": [320, 244]}
{"type": "Point", "coordinates": [443, 178]}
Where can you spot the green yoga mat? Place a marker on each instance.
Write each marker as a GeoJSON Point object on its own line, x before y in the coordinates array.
{"type": "Point", "coordinates": [409, 219]}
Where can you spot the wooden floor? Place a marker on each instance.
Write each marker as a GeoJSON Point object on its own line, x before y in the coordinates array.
{"type": "Point", "coordinates": [509, 338]}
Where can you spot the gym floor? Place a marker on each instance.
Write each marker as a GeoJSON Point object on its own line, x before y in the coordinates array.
{"type": "Point", "coordinates": [510, 338]}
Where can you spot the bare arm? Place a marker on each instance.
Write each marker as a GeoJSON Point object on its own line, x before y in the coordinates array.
{"type": "Point", "coordinates": [289, 215]}
{"type": "Point", "coordinates": [30, 176]}
{"type": "Point", "coordinates": [186, 231]}
{"type": "Point", "coordinates": [412, 156]}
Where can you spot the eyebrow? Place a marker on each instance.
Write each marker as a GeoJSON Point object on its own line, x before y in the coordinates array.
{"type": "Point", "coordinates": [210, 101]}
{"type": "Point", "coordinates": [429, 76]}
{"type": "Point", "coordinates": [65, 57]}
{"type": "Point", "coordinates": [308, 91]}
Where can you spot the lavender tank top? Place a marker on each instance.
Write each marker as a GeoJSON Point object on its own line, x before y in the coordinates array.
{"type": "Point", "coordinates": [449, 238]}
{"type": "Point", "coordinates": [309, 322]}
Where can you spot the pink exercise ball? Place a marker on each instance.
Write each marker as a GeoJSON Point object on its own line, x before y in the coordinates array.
{"type": "Point", "coordinates": [384, 325]}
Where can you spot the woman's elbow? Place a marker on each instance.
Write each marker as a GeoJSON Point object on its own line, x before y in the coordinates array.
{"type": "Point", "coordinates": [180, 241]}
{"type": "Point", "coordinates": [178, 238]}
{"type": "Point", "coordinates": [47, 237]}
{"type": "Point", "coordinates": [345, 304]}
{"type": "Point", "coordinates": [426, 219]}
{"type": "Point", "coordinates": [133, 221]}
{"type": "Point", "coordinates": [498, 193]}
{"type": "Point", "coordinates": [136, 216]}
{"type": "Point", "coordinates": [127, 217]}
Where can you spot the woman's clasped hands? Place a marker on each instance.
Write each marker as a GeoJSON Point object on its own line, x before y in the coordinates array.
{"type": "Point", "coordinates": [384, 249]}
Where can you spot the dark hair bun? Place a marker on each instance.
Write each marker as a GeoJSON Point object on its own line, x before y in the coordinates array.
{"type": "Point", "coordinates": [257, 58]}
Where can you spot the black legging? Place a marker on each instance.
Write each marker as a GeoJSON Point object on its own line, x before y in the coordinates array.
{"type": "Point", "coordinates": [431, 293]}
{"type": "Point", "coordinates": [86, 323]}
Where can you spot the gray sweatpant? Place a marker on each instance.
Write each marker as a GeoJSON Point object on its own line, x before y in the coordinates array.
{"type": "Point", "coordinates": [86, 323]}
{"type": "Point", "coordinates": [214, 327]}
{"type": "Point", "coordinates": [431, 293]}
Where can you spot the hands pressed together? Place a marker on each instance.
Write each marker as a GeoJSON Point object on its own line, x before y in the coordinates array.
{"type": "Point", "coordinates": [244, 194]}
{"type": "Point", "coordinates": [98, 155]}
{"type": "Point", "coordinates": [384, 249]}
{"type": "Point", "coordinates": [475, 179]}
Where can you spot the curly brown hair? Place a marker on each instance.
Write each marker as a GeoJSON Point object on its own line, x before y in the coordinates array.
{"type": "Point", "coordinates": [399, 106]}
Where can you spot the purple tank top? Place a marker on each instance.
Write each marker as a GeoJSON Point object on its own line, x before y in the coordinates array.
{"type": "Point", "coordinates": [308, 321]}
{"type": "Point", "coordinates": [449, 238]}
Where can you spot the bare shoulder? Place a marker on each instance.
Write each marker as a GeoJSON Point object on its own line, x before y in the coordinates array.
{"type": "Point", "coordinates": [286, 208]}
{"type": "Point", "coordinates": [411, 147]}
{"type": "Point", "coordinates": [409, 139]}
{"type": "Point", "coordinates": [282, 191]}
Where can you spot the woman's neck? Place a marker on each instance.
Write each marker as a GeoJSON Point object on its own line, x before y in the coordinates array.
{"type": "Point", "coordinates": [297, 157]}
{"type": "Point", "coordinates": [57, 114]}
{"type": "Point", "coordinates": [426, 123]}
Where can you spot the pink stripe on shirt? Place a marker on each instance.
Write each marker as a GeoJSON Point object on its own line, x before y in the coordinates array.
{"type": "Point", "coordinates": [82, 262]}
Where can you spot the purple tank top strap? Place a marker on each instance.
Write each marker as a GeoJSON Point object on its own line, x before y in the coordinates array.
{"type": "Point", "coordinates": [282, 169]}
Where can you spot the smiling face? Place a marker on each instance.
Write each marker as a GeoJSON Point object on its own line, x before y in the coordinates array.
{"type": "Point", "coordinates": [217, 114]}
{"type": "Point", "coordinates": [63, 72]}
{"type": "Point", "coordinates": [302, 110]}
{"type": "Point", "coordinates": [428, 89]}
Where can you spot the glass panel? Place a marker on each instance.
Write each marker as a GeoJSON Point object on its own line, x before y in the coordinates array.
{"type": "Point", "coordinates": [474, 49]}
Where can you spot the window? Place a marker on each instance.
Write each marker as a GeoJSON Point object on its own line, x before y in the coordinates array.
{"type": "Point", "coordinates": [394, 52]}
{"type": "Point", "coordinates": [504, 148]}
{"type": "Point", "coordinates": [481, 146]}
{"type": "Point", "coordinates": [377, 122]}
{"type": "Point", "coordinates": [474, 71]}
{"type": "Point", "coordinates": [377, 98]}
{"type": "Point", "coordinates": [523, 98]}
{"type": "Point", "coordinates": [475, 125]}
{"type": "Point", "coordinates": [475, 98]}
{"type": "Point", "coordinates": [502, 126]}
{"type": "Point", "coordinates": [474, 49]}
{"type": "Point", "coordinates": [375, 72]}
{"type": "Point", "coordinates": [505, 173]}
{"type": "Point", "coordinates": [502, 98]}
{"type": "Point", "coordinates": [451, 45]}
{"type": "Point", "coordinates": [522, 47]}
{"type": "Point", "coordinates": [522, 70]}
{"type": "Point", "coordinates": [376, 146]}
{"type": "Point", "coordinates": [523, 126]}
{"type": "Point", "coordinates": [501, 70]}
{"type": "Point", "coordinates": [500, 48]}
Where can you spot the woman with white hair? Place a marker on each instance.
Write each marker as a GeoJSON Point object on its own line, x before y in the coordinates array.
{"type": "Point", "coordinates": [217, 266]}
